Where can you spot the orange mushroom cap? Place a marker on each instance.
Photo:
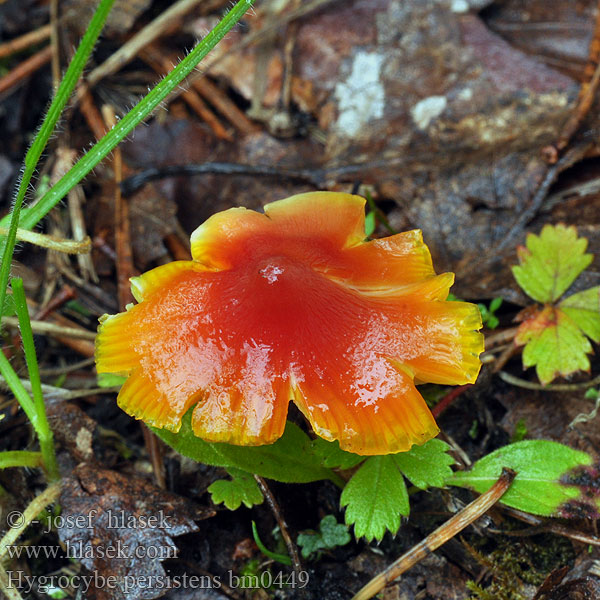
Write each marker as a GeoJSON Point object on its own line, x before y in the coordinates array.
{"type": "Point", "coordinates": [293, 304]}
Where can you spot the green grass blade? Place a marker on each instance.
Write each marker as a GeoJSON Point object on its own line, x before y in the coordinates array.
{"type": "Point", "coordinates": [16, 387]}
{"type": "Point", "coordinates": [20, 458]}
{"type": "Point", "coordinates": [40, 423]}
{"type": "Point", "coordinates": [41, 139]}
{"type": "Point", "coordinates": [134, 117]}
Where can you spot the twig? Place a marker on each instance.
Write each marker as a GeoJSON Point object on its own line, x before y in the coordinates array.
{"type": "Point", "coordinates": [440, 536]}
{"type": "Point", "coordinates": [448, 399]}
{"type": "Point", "coordinates": [24, 69]}
{"type": "Point", "coordinates": [96, 292]}
{"type": "Point", "coordinates": [35, 507]}
{"type": "Point", "coordinates": [315, 177]}
{"type": "Point", "coordinates": [500, 337]}
{"type": "Point", "coordinates": [156, 456]}
{"type": "Point", "coordinates": [145, 36]}
{"type": "Point", "coordinates": [43, 327]}
{"type": "Point", "coordinates": [161, 64]}
{"type": "Point", "coordinates": [252, 38]}
{"type": "Point", "coordinates": [125, 268]}
{"type": "Point", "coordinates": [55, 393]}
{"type": "Point", "coordinates": [585, 98]}
{"type": "Point", "coordinates": [52, 242]}
{"type": "Point", "coordinates": [76, 198]}
{"type": "Point", "coordinates": [178, 250]}
{"type": "Point", "coordinates": [541, 525]}
{"type": "Point", "coordinates": [66, 293]}
{"type": "Point", "coordinates": [53, 371]}
{"type": "Point", "coordinates": [91, 114]}
{"type": "Point", "coordinates": [83, 346]}
{"type": "Point", "coordinates": [291, 547]}
{"type": "Point", "coordinates": [7, 589]}
{"type": "Point", "coordinates": [557, 387]}
{"type": "Point", "coordinates": [571, 157]}
{"type": "Point", "coordinates": [504, 357]}
{"type": "Point", "coordinates": [25, 41]}
{"type": "Point", "coordinates": [224, 105]}
{"type": "Point", "coordinates": [585, 417]}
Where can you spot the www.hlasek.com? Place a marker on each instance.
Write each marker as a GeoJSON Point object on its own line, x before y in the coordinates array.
{"type": "Point", "coordinates": [45, 584]}
{"type": "Point", "coordinates": [80, 550]}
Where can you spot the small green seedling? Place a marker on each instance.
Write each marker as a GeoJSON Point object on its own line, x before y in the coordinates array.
{"type": "Point", "coordinates": [331, 534]}
{"type": "Point", "coordinates": [488, 313]}
{"type": "Point", "coordinates": [556, 334]}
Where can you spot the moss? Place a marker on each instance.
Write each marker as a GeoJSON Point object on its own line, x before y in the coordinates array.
{"type": "Point", "coordinates": [513, 562]}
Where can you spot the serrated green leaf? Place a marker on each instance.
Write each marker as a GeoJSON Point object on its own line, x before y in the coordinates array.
{"type": "Point", "coordinates": [241, 488]}
{"type": "Point", "coordinates": [544, 483]}
{"type": "Point", "coordinates": [551, 262]}
{"type": "Point", "coordinates": [290, 459]}
{"type": "Point", "coordinates": [375, 498]}
{"type": "Point", "coordinates": [333, 457]}
{"type": "Point", "coordinates": [330, 535]}
{"type": "Point", "coordinates": [427, 465]}
{"type": "Point", "coordinates": [554, 344]}
{"type": "Point", "coordinates": [584, 309]}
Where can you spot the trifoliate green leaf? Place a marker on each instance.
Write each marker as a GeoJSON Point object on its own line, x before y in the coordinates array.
{"type": "Point", "coordinates": [427, 465]}
{"type": "Point", "coordinates": [552, 479]}
{"type": "Point", "coordinates": [333, 457]}
{"type": "Point", "coordinates": [554, 344]}
{"type": "Point", "coordinates": [375, 498]}
{"type": "Point", "coordinates": [241, 488]}
{"type": "Point", "coordinates": [551, 262]}
{"type": "Point", "coordinates": [584, 309]}
{"type": "Point", "coordinates": [330, 535]}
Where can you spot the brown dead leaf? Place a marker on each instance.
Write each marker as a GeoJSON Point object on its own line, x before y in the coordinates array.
{"type": "Point", "coordinates": [128, 529]}
{"type": "Point", "coordinates": [423, 100]}
{"type": "Point", "coordinates": [558, 33]}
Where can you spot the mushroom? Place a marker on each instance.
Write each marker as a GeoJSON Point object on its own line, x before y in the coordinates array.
{"type": "Point", "coordinates": [293, 304]}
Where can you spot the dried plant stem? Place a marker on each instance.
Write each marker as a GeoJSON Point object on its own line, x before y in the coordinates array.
{"type": "Point", "coordinates": [37, 147]}
{"type": "Point", "coordinates": [440, 536]}
{"type": "Point", "coordinates": [45, 328]}
{"type": "Point", "coordinates": [161, 64]}
{"type": "Point", "coordinates": [35, 507]}
{"type": "Point", "coordinates": [539, 525]}
{"type": "Point", "coordinates": [212, 94]}
{"type": "Point", "coordinates": [147, 35]}
{"type": "Point", "coordinates": [25, 41]}
{"type": "Point", "coordinates": [291, 547]}
{"type": "Point", "coordinates": [557, 387]}
{"type": "Point", "coordinates": [52, 242]}
{"type": "Point", "coordinates": [9, 591]}
{"type": "Point", "coordinates": [585, 99]}
{"type": "Point", "coordinates": [448, 399]}
{"type": "Point", "coordinates": [125, 268]}
{"type": "Point", "coordinates": [24, 69]}
{"type": "Point", "coordinates": [500, 337]}
{"type": "Point", "coordinates": [56, 393]}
